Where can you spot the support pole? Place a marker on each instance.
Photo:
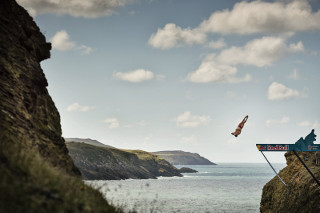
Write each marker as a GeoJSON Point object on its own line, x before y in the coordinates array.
{"type": "Point", "coordinates": [273, 169]}
{"type": "Point", "coordinates": [294, 151]}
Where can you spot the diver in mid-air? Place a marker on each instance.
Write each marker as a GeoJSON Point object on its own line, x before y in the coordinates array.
{"type": "Point", "coordinates": [240, 126]}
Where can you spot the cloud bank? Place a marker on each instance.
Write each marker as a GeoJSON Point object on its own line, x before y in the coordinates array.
{"type": "Point", "coordinates": [258, 52]}
{"type": "Point", "coordinates": [76, 8]}
{"type": "Point", "coordinates": [245, 18]}
{"type": "Point", "coordinates": [263, 17]}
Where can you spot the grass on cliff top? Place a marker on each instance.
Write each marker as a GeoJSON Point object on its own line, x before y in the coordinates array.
{"type": "Point", "coordinates": [142, 155]}
{"type": "Point", "coordinates": [29, 184]}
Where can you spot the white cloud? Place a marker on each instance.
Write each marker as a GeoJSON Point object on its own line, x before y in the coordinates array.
{"type": "Point", "coordinates": [263, 17]}
{"type": "Point", "coordinates": [85, 50]}
{"type": "Point", "coordinates": [77, 107]}
{"type": "Point", "coordinates": [172, 35]}
{"type": "Point", "coordinates": [217, 44]}
{"type": "Point", "coordinates": [76, 8]}
{"type": "Point", "coordinates": [283, 120]}
{"type": "Point", "coordinates": [212, 71]}
{"type": "Point", "coordinates": [259, 52]}
{"type": "Point", "coordinates": [245, 18]}
{"type": "Point", "coordinates": [313, 125]}
{"type": "Point", "coordinates": [305, 123]}
{"type": "Point", "coordinates": [135, 76]}
{"type": "Point", "coordinates": [279, 91]}
{"type": "Point", "coordinates": [113, 123]}
{"type": "Point", "coordinates": [188, 120]}
{"type": "Point", "coordinates": [61, 41]}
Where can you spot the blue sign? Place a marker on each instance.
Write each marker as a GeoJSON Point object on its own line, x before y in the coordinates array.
{"type": "Point", "coordinates": [303, 145]}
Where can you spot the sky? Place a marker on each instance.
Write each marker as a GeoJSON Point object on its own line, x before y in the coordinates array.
{"type": "Point", "coordinates": [180, 75]}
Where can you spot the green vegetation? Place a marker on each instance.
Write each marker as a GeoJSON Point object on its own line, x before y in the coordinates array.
{"type": "Point", "coordinates": [143, 155]}
{"type": "Point", "coordinates": [29, 184]}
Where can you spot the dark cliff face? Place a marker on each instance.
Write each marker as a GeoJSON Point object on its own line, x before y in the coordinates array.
{"type": "Point", "coordinates": [36, 172]}
{"type": "Point", "coordinates": [28, 114]}
{"type": "Point", "coordinates": [302, 193]}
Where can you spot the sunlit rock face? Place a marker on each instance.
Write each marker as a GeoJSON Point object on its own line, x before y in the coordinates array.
{"type": "Point", "coordinates": [302, 193]}
{"type": "Point", "coordinates": [27, 113]}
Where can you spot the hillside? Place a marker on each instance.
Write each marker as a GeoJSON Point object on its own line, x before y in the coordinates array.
{"type": "Point", "coordinates": [103, 163]}
{"type": "Point", "coordinates": [36, 172]}
{"type": "Point", "coordinates": [87, 141]}
{"type": "Point", "coordinates": [183, 158]}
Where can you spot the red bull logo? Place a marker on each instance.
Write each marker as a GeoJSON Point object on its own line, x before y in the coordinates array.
{"type": "Point", "coordinates": [277, 147]}
{"type": "Point", "coordinates": [262, 148]}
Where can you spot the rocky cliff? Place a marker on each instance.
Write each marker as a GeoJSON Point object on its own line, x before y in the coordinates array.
{"type": "Point", "coordinates": [183, 158]}
{"type": "Point", "coordinates": [105, 163]}
{"type": "Point", "coordinates": [302, 193]}
{"type": "Point", "coordinates": [27, 111]}
{"type": "Point", "coordinates": [36, 172]}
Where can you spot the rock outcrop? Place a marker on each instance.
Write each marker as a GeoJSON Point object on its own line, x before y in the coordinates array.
{"type": "Point", "coordinates": [302, 193]}
{"type": "Point", "coordinates": [187, 170]}
{"type": "Point", "coordinates": [183, 158]}
{"type": "Point", "coordinates": [105, 163]}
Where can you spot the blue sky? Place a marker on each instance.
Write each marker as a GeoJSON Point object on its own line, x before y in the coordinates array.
{"type": "Point", "coordinates": [180, 75]}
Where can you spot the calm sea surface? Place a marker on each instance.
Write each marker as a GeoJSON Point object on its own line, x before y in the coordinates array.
{"type": "Point", "coordinates": [227, 187]}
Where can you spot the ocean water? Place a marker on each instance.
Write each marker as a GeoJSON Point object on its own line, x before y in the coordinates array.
{"type": "Point", "coordinates": [226, 187]}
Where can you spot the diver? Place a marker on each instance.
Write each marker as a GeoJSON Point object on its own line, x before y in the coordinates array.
{"type": "Point", "coordinates": [240, 126]}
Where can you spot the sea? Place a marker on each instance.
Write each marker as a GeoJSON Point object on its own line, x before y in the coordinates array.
{"type": "Point", "coordinates": [226, 187]}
